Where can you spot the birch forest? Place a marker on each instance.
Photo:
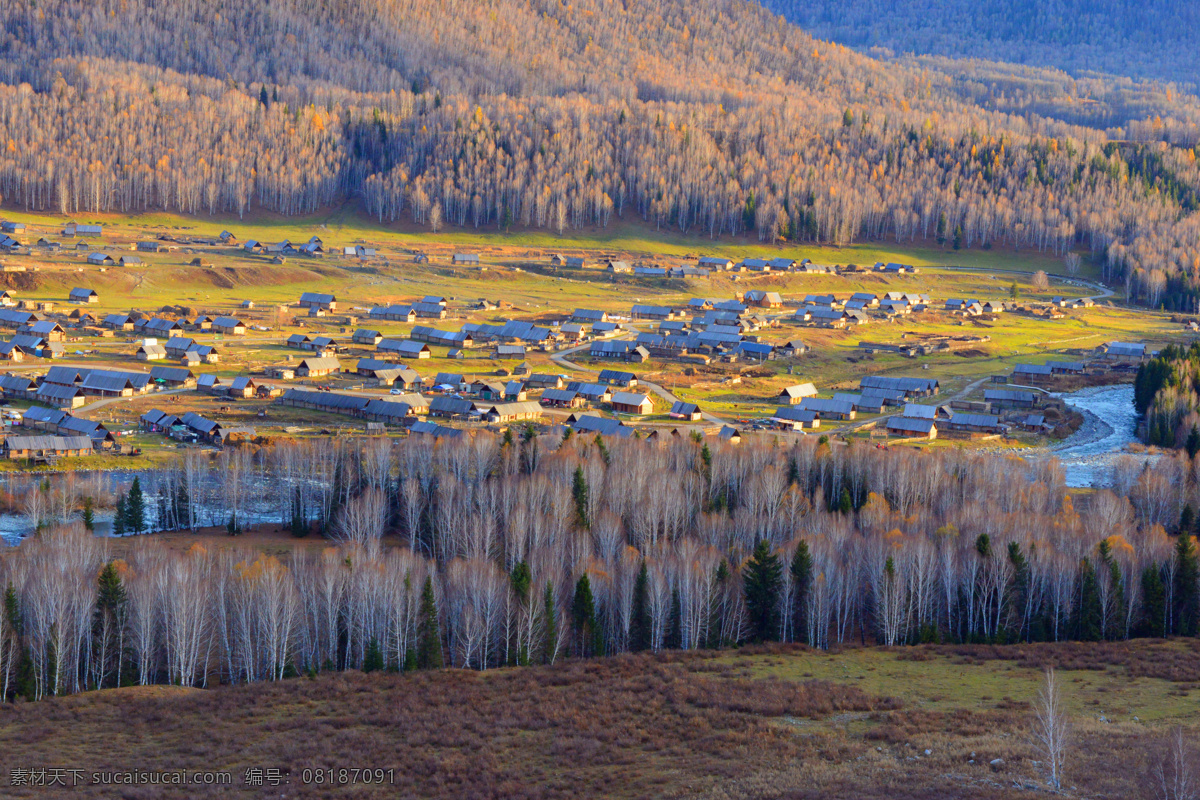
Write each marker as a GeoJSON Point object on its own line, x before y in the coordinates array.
{"type": "Point", "coordinates": [709, 117]}
{"type": "Point", "coordinates": [487, 551]}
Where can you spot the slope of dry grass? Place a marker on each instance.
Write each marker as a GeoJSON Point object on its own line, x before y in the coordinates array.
{"type": "Point", "coordinates": [757, 723]}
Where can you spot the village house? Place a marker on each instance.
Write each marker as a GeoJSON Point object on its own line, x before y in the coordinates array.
{"type": "Point", "coordinates": [828, 409]}
{"type": "Point", "coordinates": [317, 367]}
{"type": "Point", "coordinates": [561, 398]}
{"type": "Point", "coordinates": [910, 428]}
{"type": "Point", "coordinates": [796, 394]}
{"type": "Point", "coordinates": [617, 267]}
{"type": "Point", "coordinates": [150, 350]}
{"type": "Point", "coordinates": [762, 299]}
{"type": "Point", "coordinates": [632, 403]}
{"type": "Point", "coordinates": [395, 313]}
{"type": "Point", "coordinates": [46, 448]}
{"type": "Point", "coordinates": [230, 326]}
{"type": "Point", "coordinates": [626, 351]}
{"type": "Point", "coordinates": [318, 300]}
{"type": "Point", "coordinates": [367, 337]}
{"type": "Point", "coordinates": [404, 348]}
{"type": "Point", "coordinates": [81, 295]}
{"type": "Point", "coordinates": [513, 412]}
{"type": "Point", "coordinates": [689, 412]}
{"type": "Point", "coordinates": [612, 377]}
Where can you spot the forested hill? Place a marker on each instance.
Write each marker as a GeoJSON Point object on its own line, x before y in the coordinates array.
{"type": "Point", "coordinates": [1137, 38]}
{"type": "Point", "coordinates": [712, 117]}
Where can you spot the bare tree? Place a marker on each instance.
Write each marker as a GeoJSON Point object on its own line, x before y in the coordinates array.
{"type": "Point", "coordinates": [1052, 729]}
{"type": "Point", "coordinates": [1174, 776]}
{"type": "Point", "coordinates": [1041, 281]}
{"type": "Point", "coordinates": [1072, 261]}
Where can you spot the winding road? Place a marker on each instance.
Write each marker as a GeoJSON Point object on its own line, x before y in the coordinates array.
{"type": "Point", "coordinates": [561, 358]}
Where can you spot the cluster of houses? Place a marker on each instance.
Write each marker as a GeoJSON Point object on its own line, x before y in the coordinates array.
{"type": "Point", "coordinates": [190, 427]}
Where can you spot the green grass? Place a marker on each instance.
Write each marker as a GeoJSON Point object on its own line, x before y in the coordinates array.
{"type": "Point", "coordinates": [941, 681]}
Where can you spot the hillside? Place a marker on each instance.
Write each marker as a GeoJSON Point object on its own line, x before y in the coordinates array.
{"type": "Point", "coordinates": [1138, 40]}
{"type": "Point", "coordinates": [945, 722]}
{"type": "Point", "coordinates": [708, 117]}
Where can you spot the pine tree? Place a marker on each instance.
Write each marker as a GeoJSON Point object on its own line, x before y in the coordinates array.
{"type": "Point", "coordinates": [373, 657]}
{"type": "Point", "coordinates": [845, 503]}
{"type": "Point", "coordinates": [1187, 519]}
{"type": "Point", "coordinates": [1193, 442]}
{"type": "Point", "coordinates": [762, 580]}
{"type": "Point", "coordinates": [579, 492]}
{"type": "Point", "coordinates": [639, 623]}
{"type": "Point", "coordinates": [429, 630]}
{"type": "Point", "coordinates": [521, 581]}
{"type": "Point", "coordinates": [550, 625]}
{"type": "Point", "coordinates": [583, 619]}
{"type": "Point", "coordinates": [135, 507]}
{"type": "Point", "coordinates": [1187, 595]}
{"type": "Point", "coordinates": [1087, 609]}
{"type": "Point", "coordinates": [1154, 602]}
{"type": "Point", "coordinates": [120, 517]}
{"type": "Point", "coordinates": [706, 461]}
{"type": "Point", "coordinates": [674, 637]}
{"type": "Point", "coordinates": [109, 617]}
{"type": "Point", "coordinates": [802, 568]}
{"type": "Point", "coordinates": [88, 515]}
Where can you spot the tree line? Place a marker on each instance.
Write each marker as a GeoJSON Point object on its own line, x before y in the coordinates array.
{"type": "Point", "coordinates": [525, 548]}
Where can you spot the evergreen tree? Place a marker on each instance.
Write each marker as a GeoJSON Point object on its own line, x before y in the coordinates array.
{"type": "Point", "coordinates": [845, 503]}
{"type": "Point", "coordinates": [1087, 608]}
{"type": "Point", "coordinates": [299, 524]}
{"type": "Point", "coordinates": [231, 527]}
{"type": "Point", "coordinates": [1020, 582]}
{"type": "Point", "coordinates": [1154, 602]}
{"type": "Point", "coordinates": [120, 517]}
{"type": "Point", "coordinates": [520, 580]}
{"type": "Point", "coordinates": [429, 630]}
{"type": "Point", "coordinates": [1014, 292]}
{"type": "Point", "coordinates": [373, 658]}
{"type": "Point", "coordinates": [706, 462]}
{"type": "Point", "coordinates": [550, 625]}
{"type": "Point", "coordinates": [802, 568]}
{"type": "Point", "coordinates": [89, 515]}
{"type": "Point", "coordinates": [109, 619]}
{"type": "Point", "coordinates": [1187, 594]}
{"type": "Point", "coordinates": [674, 637]}
{"type": "Point", "coordinates": [639, 623]}
{"type": "Point", "coordinates": [1193, 442]}
{"type": "Point", "coordinates": [583, 619]}
{"type": "Point", "coordinates": [761, 582]}
{"type": "Point", "coordinates": [1187, 520]}
{"type": "Point", "coordinates": [135, 507]}
{"type": "Point", "coordinates": [579, 492]}
{"type": "Point", "coordinates": [262, 95]}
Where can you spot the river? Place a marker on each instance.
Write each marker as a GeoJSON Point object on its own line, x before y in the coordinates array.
{"type": "Point", "coordinates": [1109, 426]}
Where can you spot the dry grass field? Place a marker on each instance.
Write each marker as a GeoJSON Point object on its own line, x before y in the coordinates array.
{"type": "Point", "coordinates": [779, 722]}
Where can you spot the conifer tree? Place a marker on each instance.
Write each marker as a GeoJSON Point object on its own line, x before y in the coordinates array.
{"type": "Point", "coordinates": [1087, 608]}
{"type": "Point", "coordinates": [135, 507]}
{"type": "Point", "coordinates": [801, 569]}
{"type": "Point", "coordinates": [583, 619]}
{"type": "Point", "coordinates": [674, 637]}
{"type": "Point", "coordinates": [639, 623]}
{"type": "Point", "coordinates": [521, 581]}
{"type": "Point", "coordinates": [763, 576]}
{"type": "Point", "coordinates": [1154, 602]}
{"type": "Point", "coordinates": [579, 492]}
{"type": "Point", "coordinates": [88, 515]}
{"type": "Point", "coordinates": [120, 517]}
{"type": "Point", "coordinates": [429, 630]}
{"type": "Point", "coordinates": [109, 623]}
{"type": "Point", "coordinates": [1187, 595]}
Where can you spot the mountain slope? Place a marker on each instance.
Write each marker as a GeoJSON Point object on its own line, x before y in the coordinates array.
{"type": "Point", "coordinates": [711, 116]}
{"type": "Point", "coordinates": [1150, 39]}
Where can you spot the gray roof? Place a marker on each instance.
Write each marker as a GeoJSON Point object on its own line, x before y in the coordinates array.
{"type": "Point", "coordinates": [629, 398]}
{"type": "Point", "coordinates": [910, 425]}
{"type": "Point", "coordinates": [48, 443]}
